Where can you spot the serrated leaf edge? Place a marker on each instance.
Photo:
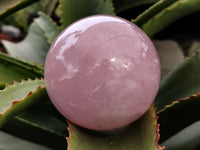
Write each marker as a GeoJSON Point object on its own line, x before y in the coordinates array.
{"type": "Point", "coordinates": [176, 102]}
{"type": "Point", "coordinates": [25, 64]}
{"type": "Point", "coordinates": [8, 114]}
{"type": "Point", "coordinates": [69, 128]}
{"type": "Point", "coordinates": [18, 101]}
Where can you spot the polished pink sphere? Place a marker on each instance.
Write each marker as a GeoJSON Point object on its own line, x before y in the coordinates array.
{"type": "Point", "coordinates": [102, 72]}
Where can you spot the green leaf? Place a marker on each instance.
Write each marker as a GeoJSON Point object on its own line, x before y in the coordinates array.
{"type": "Point", "coordinates": [178, 115]}
{"type": "Point", "coordinates": [180, 83]}
{"type": "Point", "coordinates": [8, 7]}
{"type": "Point", "coordinates": [34, 47]}
{"type": "Point", "coordinates": [170, 14]}
{"type": "Point", "coordinates": [186, 139]}
{"type": "Point", "coordinates": [152, 11]}
{"type": "Point", "coordinates": [10, 142]}
{"type": "Point", "coordinates": [15, 69]}
{"type": "Point", "coordinates": [123, 5]}
{"type": "Point", "coordinates": [19, 96]}
{"type": "Point", "coordinates": [72, 10]}
{"type": "Point", "coordinates": [170, 54]}
{"type": "Point", "coordinates": [21, 18]}
{"type": "Point", "coordinates": [48, 27]}
{"type": "Point", "coordinates": [140, 135]}
{"type": "Point", "coordinates": [40, 127]}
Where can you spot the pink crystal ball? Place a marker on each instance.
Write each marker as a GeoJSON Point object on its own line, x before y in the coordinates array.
{"type": "Point", "coordinates": [102, 72]}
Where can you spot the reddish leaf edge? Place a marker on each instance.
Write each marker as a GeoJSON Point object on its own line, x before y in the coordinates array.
{"type": "Point", "coordinates": [18, 101]}
{"type": "Point", "coordinates": [39, 92]}
{"type": "Point", "coordinates": [177, 101]}
{"type": "Point", "coordinates": [70, 128]}
{"type": "Point", "coordinates": [157, 130]}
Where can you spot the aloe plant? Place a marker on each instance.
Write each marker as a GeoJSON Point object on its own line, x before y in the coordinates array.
{"type": "Point", "coordinates": [27, 114]}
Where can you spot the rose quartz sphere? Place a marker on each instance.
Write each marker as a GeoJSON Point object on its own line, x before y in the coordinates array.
{"type": "Point", "coordinates": [102, 72]}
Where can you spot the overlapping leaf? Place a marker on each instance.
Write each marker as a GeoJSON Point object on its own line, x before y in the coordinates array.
{"type": "Point", "coordinates": [152, 11]}
{"type": "Point", "coordinates": [19, 96]}
{"type": "Point", "coordinates": [170, 14]}
{"type": "Point", "coordinates": [72, 10]}
{"type": "Point", "coordinates": [15, 69]}
{"type": "Point", "coordinates": [39, 126]}
{"type": "Point", "coordinates": [170, 55]}
{"type": "Point", "coordinates": [180, 83]}
{"type": "Point", "coordinates": [177, 117]}
{"type": "Point", "coordinates": [142, 134]}
{"type": "Point", "coordinates": [34, 47]}
{"type": "Point", "coordinates": [8, 7]}
{"type": "Point", "coordinates": [123, 5]}
{"type": "Point", "coordinates": [48, 27]}
{"type": "Point", "coordinates": [22, 18]}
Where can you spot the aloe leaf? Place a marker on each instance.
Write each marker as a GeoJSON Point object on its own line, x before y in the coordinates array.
{"type": "Point", "coordinates": [51, 123]}
{"type": "Point", "coordinates": [178, 115]}
{"type": "Point", "coordinates": [152, 11]}
{"type": "Point", "coordinates": [170, 54]}
{"type": "Point", "coordinates": [15, 69]}
{"type": "Point", "coordinates": [170, 14]}
{"type": "Point", "coordinates": [19, 96]}
{"type": "Point", "coordinates": [142, 134]}
{"type": "Point", "coordinates": [49, 6]}
{"type": "Point", "coordinates": [186, 139]}
{"type": "Point", "coordinates": [72, 10]}
{"type": "Point", "coordinates": [180, 83]}
{"type": "Point", "coordinates": [41, 124]}
{"type": "Point", "coordinates": [34, 47]}
{"type": "Point", "coordinates": [48, 27]}
{"type": "Point", "coordinates": [8, 7]}
{"type": "Point", "coordinates": [10, 142]}
{"type": "Point", "coordinates": [123, 5]}
{"type": "Point", "coordinates": [40, 127]}
{"type": "Point", "coordinates": [21, 18]}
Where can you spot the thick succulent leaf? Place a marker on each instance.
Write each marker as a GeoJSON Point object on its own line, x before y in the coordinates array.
{"type": "Point", "coordinates": [72, 10]}
{"type": "Point", "coordinates": [123, 5]}
{"type": "Point", "coordinates": [48, 6]}
{"type": "Point", "coordinates": [170, 14]}
{"type": "Point", "coordinates": [8, 7]}
{"type": "Point", "coordinates": [10, 142]}
{"type": "Point", "coordinates": [142, 134]}
{"type": "Point", "coordinates": [186, 139]}
{"type": "Point", "coordinates": [152, 11]}
{"type": "Point", "coordinates": [180, 83]}
{"type": "Point", "coordinates": [177, 116]}
{"type": "Point", "coordinates": [18, 19]}
{"type": "Point", "coordinates": [170, 54]}
{"type": "Point", "coordinates": [34, 47]}
{"type": "Point", "coordinates": [21, 18]}
{"type": "Point", "coordinates": [17, 97]}
{"type": "Point", "coordinates": [42, 128]}
{"type": "Point", "coordinates": [15, 69]}
{"type": "Point", "coordinates": [51, 123]}
{"type": "Point", "coordinates": [48, 27]}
